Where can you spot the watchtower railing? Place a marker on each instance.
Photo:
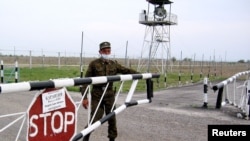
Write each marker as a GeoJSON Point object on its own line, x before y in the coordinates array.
{"type": "Point", "coordinates": [149, 19]}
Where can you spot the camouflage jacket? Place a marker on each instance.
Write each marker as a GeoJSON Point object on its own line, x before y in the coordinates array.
{"type": "Point", "coordinates": [102, 67]}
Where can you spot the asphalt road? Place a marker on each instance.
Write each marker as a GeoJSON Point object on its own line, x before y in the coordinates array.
{"type": "Point", "coordinates": [175, 114]}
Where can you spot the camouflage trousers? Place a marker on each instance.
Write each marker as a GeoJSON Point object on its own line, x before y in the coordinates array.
{"type": "Point", "coordinates": [105, 106]}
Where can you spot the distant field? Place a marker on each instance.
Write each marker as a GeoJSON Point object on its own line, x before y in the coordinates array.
{"type": "Point", "coordinates": [45, 68]}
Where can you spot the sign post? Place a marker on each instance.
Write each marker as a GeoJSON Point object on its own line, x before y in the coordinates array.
{"type": "Point", "coordinates": [52, 116]}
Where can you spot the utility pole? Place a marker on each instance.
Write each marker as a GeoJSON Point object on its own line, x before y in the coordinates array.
{"type": "Point", "coordinates": [81, 65]}
{"type": "Point", "coordinates": [126, 54]}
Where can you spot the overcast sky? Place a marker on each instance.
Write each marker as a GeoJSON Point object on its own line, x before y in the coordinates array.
{"type": "Point", "coordinates": [205, 27]}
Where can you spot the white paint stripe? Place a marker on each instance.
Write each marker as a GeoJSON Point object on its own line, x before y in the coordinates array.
{"type": "Point", "coordinates": [144, 101]}
{"type": "Point", "coordinates": [234, 77]}
{"type": "Point", "coordinates": [126, 77]}
{"type": "Point", "coordinates": [231, 79]}
{"type": "Point", "coordinates": [131, 91]}
{"type": "Point", "coordinates": [99, 80]}
{"type": "Point", "coordinates": [63, 82]}
{"type": "Point", "coordinates": [205, 80]}
{"type": "Point", "coordinates": [90, 128]}
{"type": "Point", "coordinates": [223, 103]}
{"type": "Point", "coordinates": [120, 109]}
{"type": "Point", "coordinates": [205, 97]}
{"type": "Point", "coordinates": [224, 83]}
{"type": "Point", "coordinates": [146, 75]}
{"type": "Point", "coordinates": [15, 87]}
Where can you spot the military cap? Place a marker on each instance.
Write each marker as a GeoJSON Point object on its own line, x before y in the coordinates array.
{"type": "Point", "coordinates": [104, 45]}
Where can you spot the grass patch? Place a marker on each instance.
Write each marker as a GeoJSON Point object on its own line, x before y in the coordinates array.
{"type": "Point", "coordinates": [47, 73]}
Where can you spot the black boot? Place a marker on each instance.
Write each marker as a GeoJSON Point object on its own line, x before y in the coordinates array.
{"type": "Point", "coordinates": [86, 138]}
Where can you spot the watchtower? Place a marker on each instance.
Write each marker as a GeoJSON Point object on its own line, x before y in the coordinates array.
{"type": "Point", "coordinates": [156, 49]}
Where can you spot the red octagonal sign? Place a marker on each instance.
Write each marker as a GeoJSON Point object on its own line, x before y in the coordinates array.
{"type": "Point", "coordinates": [52, 116]}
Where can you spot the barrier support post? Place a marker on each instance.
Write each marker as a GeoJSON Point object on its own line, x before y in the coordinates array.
{"type": "Point", "coordinates": [149, 89]}
{"type": "Point", "coordinates": [2, 72]}
{"type": "Point", "coordinates": [219, 98]}
{"type": "Point", "coordinates": [205, 82]}
{"type": "Point", "coordinates": [16, 72]}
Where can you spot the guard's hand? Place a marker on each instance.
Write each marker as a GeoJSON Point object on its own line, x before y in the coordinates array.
{"type": "Point", "coordinates": [85, 103]}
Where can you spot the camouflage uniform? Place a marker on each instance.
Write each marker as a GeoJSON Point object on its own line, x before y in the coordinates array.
{"type": "Point", "coordinates": [103, 67]}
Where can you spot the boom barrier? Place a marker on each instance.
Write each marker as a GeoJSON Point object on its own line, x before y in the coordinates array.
{"type": "Point", "coordinates": [59, 83]}
{"type": "Point", "coordinates": [241, 101]}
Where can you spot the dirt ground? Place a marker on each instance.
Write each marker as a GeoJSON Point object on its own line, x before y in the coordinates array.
{"type": "Point", "coordinates": [175, 114]}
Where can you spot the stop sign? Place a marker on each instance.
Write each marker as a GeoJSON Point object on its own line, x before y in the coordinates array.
{"type": "Point", "coordinates": [51, 116]}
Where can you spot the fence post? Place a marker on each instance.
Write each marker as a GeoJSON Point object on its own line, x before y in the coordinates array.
{"type": "Point", "coordinates": [205, 82]}
{"type": "Point", "coordinates": [59, 60]}
{"type": "Point", "coordinates": [30, 60]}
{"type": "Point", "coordinates": [2, 72]}
{"type": "Point", "coordinates": [165, 79]}
{"type": "Point", "coordinates": [179, 78]}
{"type": "Point", "coordinates": [16, 71]}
